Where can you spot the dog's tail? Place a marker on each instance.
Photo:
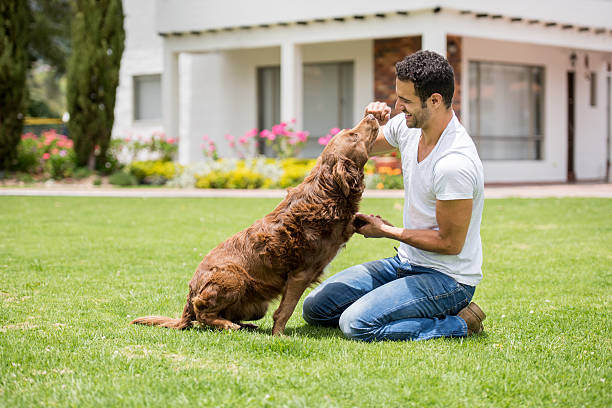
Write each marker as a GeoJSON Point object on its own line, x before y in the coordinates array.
{"type": "Point", "coordinates": [184, 322]}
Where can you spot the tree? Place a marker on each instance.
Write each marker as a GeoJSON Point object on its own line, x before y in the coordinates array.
{"type": "Point", "coordinates": [14, 63]}
{"type": "Point", "coordinates": [50, 33]}
{"type": "Point", "coordinates": [93, 75]}
{"type": "Point", "coordinates": [49, 49]}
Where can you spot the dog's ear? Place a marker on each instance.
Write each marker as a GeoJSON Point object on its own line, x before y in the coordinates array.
{"type": "Point", "coordinates": [341, 177]}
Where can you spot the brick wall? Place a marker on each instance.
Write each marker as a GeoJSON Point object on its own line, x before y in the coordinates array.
{"type": "Point", "coordinates": [388, 51]}
{"type": "Point", "coordinates": [453, 54]}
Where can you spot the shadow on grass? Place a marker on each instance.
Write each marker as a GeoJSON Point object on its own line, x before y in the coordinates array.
{"type": "Point", "coordinates": [308, 331]}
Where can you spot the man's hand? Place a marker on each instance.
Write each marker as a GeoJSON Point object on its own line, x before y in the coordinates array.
{"type": "Point", "coordinates": [374, 226]}
{"type": "Point", "coordinates": [380, 110]}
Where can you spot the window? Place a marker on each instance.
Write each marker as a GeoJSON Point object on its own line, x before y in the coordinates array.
{"type": "Point", "coordinates": [327, 103]}
{"type": "Point", "coordinates": [506, 110]}
{"type": "Point", "coordinates": [268, 94]}
{"type": "Point", "coordinates": [147, 97]}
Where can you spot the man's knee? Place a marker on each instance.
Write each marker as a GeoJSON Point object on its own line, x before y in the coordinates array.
{"type": "Point", "coordinates": [355, 327]}
{"type": "Point", "coordinates": [309, 309]}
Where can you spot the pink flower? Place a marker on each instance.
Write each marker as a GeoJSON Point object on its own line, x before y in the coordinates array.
{"type": "Point", "coordinates": [243, 140]}
{"type": "Point", "coordinates": [292, 121]}
{"type": "Point", "coordinates": [46, 156]}
{"type": "Point", "coordinates": [251, 133]}
{"type": "Point", "coordinates": [232, 144]}
{"type": "Point", "coordinates": [126, 140]}
{"type": "Point", "coordinates": [334, 131]}
{"type": "Point", "coordinates": [229, 137]}
{"type": "Point", "coordinates": [266, 134]}
{"type": "Point", "coordinates": [279, 129]}
{"type": "Point", "coordinates": [204, 137]}
{"type": "Point", "coordinates": [54, 151]}
{"type": "Point", "coordinates": [302, 136]}
{"type": "Point", "coordinates": [171, 141]}
{"type": "Point", "coordinates": [325, 140]}
{"type": "Point", "coordinates": [63, 153]}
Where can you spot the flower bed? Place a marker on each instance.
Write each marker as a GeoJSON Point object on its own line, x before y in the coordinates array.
{"type": "Point", "coordinates": [131, 161]}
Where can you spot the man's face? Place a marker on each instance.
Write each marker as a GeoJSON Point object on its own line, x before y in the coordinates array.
{"type": "Point", "coordinates": [410, 104]}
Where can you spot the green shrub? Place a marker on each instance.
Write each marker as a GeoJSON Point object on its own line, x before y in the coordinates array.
{"type": "Point", "coordinates": [214, 179]}
{"type": "Point", "coordinates": [121, 178]}
{"type": "Point", "coordinates": [28, 155]}
{"type": "Point", "coordinates": [245, 178]}
{"type": "Point", "coordinates": [154, 171]}
{"type": "Point", "coordinates": [81, 173]}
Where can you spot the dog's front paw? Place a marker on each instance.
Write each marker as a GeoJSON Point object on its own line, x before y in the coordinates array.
{"type": "Point", "coordinates": [358, 223]}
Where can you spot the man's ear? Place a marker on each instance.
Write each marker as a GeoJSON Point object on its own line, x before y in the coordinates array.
{"type": "Point", "coordinates": [341, 177]}
{"type": "Point", "coordinates": [436, 100]}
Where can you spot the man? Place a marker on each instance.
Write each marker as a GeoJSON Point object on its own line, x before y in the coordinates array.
{"type": "Point", "coordinates": [425, 290]}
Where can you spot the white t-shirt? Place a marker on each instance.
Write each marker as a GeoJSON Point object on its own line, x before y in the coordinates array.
{"type": "Point", "coordinates": [452, 171]}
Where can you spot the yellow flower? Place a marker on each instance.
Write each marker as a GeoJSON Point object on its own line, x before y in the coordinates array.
{"type": "Point", "coordinates": [380, 186]}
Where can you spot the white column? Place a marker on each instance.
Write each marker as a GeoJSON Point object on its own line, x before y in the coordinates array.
{"type": "Point", "coordinates": [170, 95]}
{"type": "Point", "coordinates": [434, 39]}
{"type": "Point", "coordinates": [291, 83]}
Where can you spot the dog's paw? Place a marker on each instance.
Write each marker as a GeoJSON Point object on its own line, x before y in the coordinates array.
{"type": "Point", "coordinates": [248, 326]}
{"type": "Point", "coordinates": [358, 223]}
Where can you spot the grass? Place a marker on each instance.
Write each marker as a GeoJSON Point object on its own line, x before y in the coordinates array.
{"type": "Point", "coordinates": [75, 271]}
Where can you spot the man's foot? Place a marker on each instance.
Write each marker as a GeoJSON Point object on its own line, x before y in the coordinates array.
{"type": "Point", "coordinates": [473, 316]}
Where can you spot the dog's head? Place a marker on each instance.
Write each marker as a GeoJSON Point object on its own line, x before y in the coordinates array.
{"type": "Point", "coordinates": [347, 153]}
{"type": "Point", "coordinates": [353, 144]}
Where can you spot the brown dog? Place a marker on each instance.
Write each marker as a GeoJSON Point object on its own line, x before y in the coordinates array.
{"type": "Point", "coordinates": [286, 251]}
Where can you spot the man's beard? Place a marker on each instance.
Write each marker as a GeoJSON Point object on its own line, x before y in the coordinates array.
{"type": "Point", "coordinates": [417, 119]}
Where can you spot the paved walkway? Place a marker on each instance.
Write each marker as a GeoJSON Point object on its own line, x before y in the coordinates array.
{"type": "Point", "coordinates": [528, 191]}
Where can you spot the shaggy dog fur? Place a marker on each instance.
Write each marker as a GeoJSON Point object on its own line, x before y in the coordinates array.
{"type": "Point", "coordinates": [286, 251]}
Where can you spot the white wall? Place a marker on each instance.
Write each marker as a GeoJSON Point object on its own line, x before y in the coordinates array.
{"type": "Point", "coordinates": [142, 55]}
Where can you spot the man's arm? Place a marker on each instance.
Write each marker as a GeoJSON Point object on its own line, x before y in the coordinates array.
{"type": "Point", "coordinates": [453, 217]}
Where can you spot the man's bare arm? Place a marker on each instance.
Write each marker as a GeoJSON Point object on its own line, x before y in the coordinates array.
{"type": "Point", "coordinates": [453, 217]}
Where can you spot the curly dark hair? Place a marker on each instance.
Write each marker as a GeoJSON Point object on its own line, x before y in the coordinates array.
{"type": "Point", "coordinates": [430, 73]}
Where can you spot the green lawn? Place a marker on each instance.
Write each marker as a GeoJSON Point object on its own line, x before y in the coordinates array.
{"type": "Point", "coordinates": [75, 271]}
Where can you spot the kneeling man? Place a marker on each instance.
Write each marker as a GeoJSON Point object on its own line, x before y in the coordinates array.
{"type": "Point", "coordinates": [424, 291]}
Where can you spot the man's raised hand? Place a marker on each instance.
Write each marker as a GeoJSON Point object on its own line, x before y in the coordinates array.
{"type": "Point", "coordinates": [380, 110]}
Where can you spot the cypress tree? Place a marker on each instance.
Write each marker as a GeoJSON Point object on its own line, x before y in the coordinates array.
{"type": "Point", "coordinates": [14, 63]}
{"type": "Point", "coordinates": [93, 75]}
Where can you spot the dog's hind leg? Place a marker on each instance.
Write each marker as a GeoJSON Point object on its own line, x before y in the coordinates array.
{"type": "Point", "coordinates": [222, 291]}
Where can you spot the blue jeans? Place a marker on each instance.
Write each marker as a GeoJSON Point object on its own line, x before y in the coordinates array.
{"type": "Point", "coordinates": [390, 300]}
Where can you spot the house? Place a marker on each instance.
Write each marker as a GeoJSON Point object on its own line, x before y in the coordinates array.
{"type": "Point", "coordinates": [533, 79]}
